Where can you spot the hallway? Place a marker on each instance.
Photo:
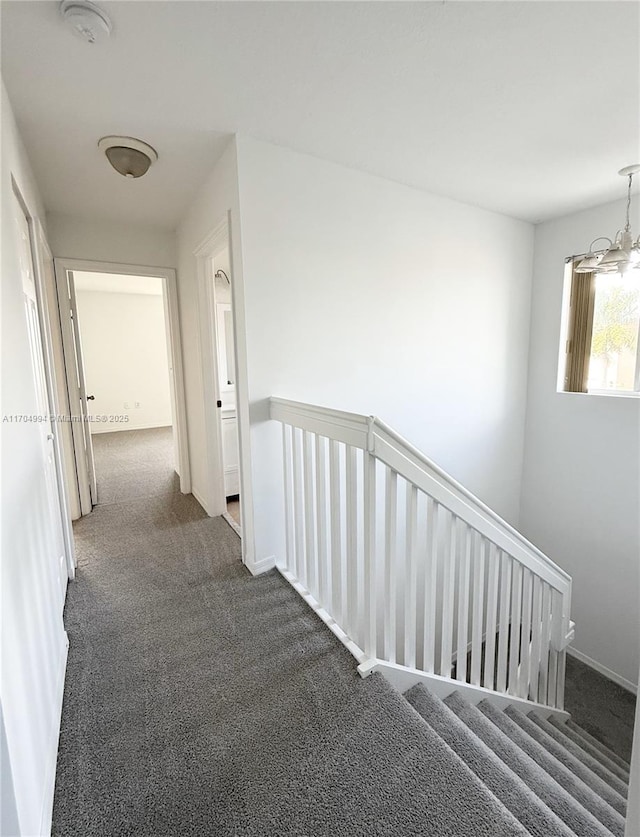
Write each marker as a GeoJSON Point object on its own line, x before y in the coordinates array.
{"type": "Point", "coordinates": [202, 701]}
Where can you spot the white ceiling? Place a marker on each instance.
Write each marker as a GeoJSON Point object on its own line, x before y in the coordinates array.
{"type": "Point", "coordinates": [117, 283]}
{"type": "Point", "coordinates": [527, 108]}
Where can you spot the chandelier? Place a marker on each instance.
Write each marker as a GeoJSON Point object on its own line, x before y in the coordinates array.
{"type": "Point", "coordinates": [623, 253]}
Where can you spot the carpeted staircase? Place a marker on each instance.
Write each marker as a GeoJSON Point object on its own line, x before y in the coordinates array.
{"type": "Point", "coordinates": [554, 778]}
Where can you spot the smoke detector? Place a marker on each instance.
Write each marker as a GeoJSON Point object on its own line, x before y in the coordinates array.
{"type": "Point", "coordinates": [130, 157]}
{"type": "Point", "coordinates": [87, 20]}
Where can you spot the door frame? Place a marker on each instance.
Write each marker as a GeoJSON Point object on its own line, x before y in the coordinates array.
{"type": "Point", "coordinates": [215, 501]}
{"type": "Point", "coordinates": [176, 371]}
{"type": "Point", "coordinates": [41, 255]}
{"type": "Point", "coordinates": [40, 252]}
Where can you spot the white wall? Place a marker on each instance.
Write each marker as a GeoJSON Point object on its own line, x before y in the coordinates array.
{"type": "Point", "coordinates": [365, 295]}
{"type": "Point", "coordinates": [125, 357]}
{"type": "Point", "coordinates": [75, 237]}
{"type": "Point", "coordinates": [33, 637]}
{"type": "Point", "coordinates": [581, 486]}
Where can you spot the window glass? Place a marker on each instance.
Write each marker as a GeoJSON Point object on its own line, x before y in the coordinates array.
{"type": "Point", "coordinates": [614, 338]}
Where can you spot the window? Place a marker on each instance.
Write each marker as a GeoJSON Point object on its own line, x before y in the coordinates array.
{"type": "Point", "coordinates": [602, 329]}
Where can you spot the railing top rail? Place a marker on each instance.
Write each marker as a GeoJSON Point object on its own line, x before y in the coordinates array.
{"type": "Point", "coordinates": [356, 429]}
{"type": "Point", "coordinates": [468, 495]}
{"type": "Point", "coordinates": [331, 416]}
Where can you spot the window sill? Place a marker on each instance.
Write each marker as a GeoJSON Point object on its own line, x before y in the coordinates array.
{"type": "Point", "coordinates": [603, 393]}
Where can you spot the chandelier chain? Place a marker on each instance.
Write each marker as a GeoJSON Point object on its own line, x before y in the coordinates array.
{"type": "Point", "coordinates": [627, 226]}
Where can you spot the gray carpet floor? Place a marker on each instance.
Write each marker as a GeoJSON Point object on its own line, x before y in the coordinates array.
{"type": "Point", "coordinates": [202, 701]}
{"type": "Point", "coordinates": [600, 706]}
{"type": "Point", "coordinates": [131, 464]}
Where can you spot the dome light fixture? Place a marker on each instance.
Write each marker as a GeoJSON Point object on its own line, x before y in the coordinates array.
{"type": "Point", "coordinates": [87, 20]}
{"type": "Point", "coordinates": [130, 157]}
{"type": "Point", "coordinates": [623, 253]}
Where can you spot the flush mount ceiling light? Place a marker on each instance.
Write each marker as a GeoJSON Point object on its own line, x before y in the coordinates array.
{"type": "Point", "coordinates": [623, 253]}
{"type": "Point", "coordinates": [130, 157]}
{"type": "Point", "coordinates": [87, 20]}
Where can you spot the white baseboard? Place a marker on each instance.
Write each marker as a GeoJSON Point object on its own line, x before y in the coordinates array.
{"type": "Point", "coordinates": [196, 494]}
{"type": "Point", "coordinates": [234, 524]}
{"type": "Point", "coordinates": [105, 427]}
{"type": "Point", "coordinates": [263, 566]}
{"type": "Point", "coordinates": [607, 672]}
{"type": "Point", "coordinates": [51, 755]}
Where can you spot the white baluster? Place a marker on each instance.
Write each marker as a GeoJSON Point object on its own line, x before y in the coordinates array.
{"type": "Point", "coordinates": [288, 499]}
{"type": "Point", "coordinates": [411, 578]}
{"type": "Point", "coordinates": [525, 636]}
{"type": "Point", "coordinates": [463, 604]}
{"type": "Point", "coordinates": [536, 622]}
{"type": "Point", "coordinates": [321, 521]}
{"type": "Point", "coordinates": [390, 568]}
{"type": "Point", "coordinates": [562, 663]}
{"type": "Point", "coordinates": [450, 554]}
{"type": "Point", "coordinates": [431, 585]}
{"type": "Point", "coordinates": [336, 536]}
{"type": "Point", "coordinates": [514, 634]}
{"type": "Point", "coordinates": [479, 545]}
{"type": "Point", "coordinates": [492, 607]}
{"type": "Point", "coordinates": [545, 641]}
{"type": "Point", "coordinates": [556, 631]}
{"type": "Point", "coordinates": [352, 544]}
{"type": "Point", "coordinates": [298, 506]}
{"type": "Point", "coordinates": [503, 630]}
{"type": "Point", "coordinates": [309, 516]}
{"type": "Point", "coordinates": [370, 557]}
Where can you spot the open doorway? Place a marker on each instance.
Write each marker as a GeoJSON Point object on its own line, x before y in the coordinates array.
{"type": "Point", "coordinates": [121, 324]}
{"type": "Point", "coordinates": [225, 397]}
{"type": "Point", "coordinates": [220, 276]}
{"type": "Point", "coordinates": [124, 376]}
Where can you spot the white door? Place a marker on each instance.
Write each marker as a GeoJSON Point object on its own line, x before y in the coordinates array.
{"type": "Point", "coordinates": [54, 509]}
{"type": "Point", "coordinates": [85, 410]}
{"type": "Point", "coordinates": [227, 378]}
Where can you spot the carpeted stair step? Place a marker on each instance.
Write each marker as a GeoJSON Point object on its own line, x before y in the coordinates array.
{"type": "Point", "coordinates": [582, 792]}
{"type": "Point", "coordinates": [562, 803]}
{"type": "Point", "coordinates": [421, 765]}
{"type": "Point", "coordinates": [612, 765]}
{"type": "Point", "coordinates": [564, 744]}
{"type": "Point", "coordinates": [590, 739]}
{"type": "Point", "coordinates": [535, 816]}
{"type": "Point", "coordinates": [579, 763]}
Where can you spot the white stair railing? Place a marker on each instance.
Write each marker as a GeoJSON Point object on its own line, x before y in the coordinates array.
{"type": "Point", "coordinates": [412, 572]}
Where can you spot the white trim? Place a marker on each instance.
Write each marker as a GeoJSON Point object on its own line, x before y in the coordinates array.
{"type": "Point", "coordinates": [617, 393]}
{"type": "Point", "coordinates": [200, 499]}
{"type": "Point", "coordinates": [73, 392]}
{"type": "Point", "coordinates": [51, 753]}
{"type": "Point", "coordinates": [602, 393]}
{"type": "Point", "coordinates": [170, 295]}
{"type": "Point", "coordinates": [263, 566]}
{"type": "Point", "coordinates": [42, 252]}
{"type": "Point", "coordinates": [404, 678]}
{"type": "Point", "coordinates": [121, 426]}
{"type": "Point", "coordinates": [215, 502]}
{"type": "Point", "coordinates": [607, 672]}
{"type": "Point", "coordinates": [326, 617]}
{"type": "Point", "coordinates": [234, 525]}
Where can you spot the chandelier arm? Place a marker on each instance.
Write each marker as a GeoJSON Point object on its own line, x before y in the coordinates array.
{"type": "Point", "coordinates": [600, 238]}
